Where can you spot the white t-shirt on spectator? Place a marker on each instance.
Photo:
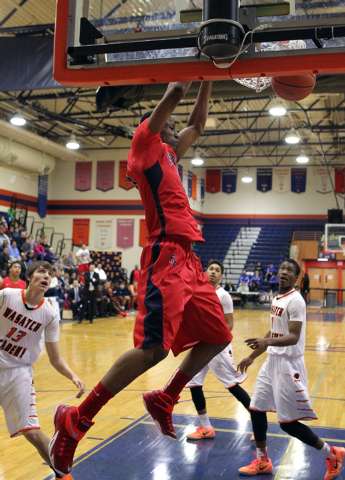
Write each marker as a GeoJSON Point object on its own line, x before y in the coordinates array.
{"type": "Point", "coordinates": [101, 273]}
{"type": "Point", "coordinates": [83, 256]}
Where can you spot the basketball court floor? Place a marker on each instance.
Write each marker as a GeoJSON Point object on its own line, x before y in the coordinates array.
{"type": "Point", "coordinates": [124, 442]}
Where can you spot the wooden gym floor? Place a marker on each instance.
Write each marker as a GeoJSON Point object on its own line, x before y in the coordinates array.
{"type": "Point", "coordinates": [124, 443]}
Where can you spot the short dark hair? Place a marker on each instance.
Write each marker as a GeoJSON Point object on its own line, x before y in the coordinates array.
{"type": "Point", "coordinates": [145, 116]}
{"type": "Point", "coordinates": [297, 267]}
{"type": "Point", "coordinates": [14, 263]}
{"type": "Point", "coordinates": [36, 265]}
{"type": "Point", "coordinates": [217, 262]}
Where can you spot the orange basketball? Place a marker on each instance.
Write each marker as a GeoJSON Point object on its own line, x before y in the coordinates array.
{"type": "Point", "coordinates": [294, 88]}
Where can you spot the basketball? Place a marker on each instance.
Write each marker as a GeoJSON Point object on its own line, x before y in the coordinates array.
{"type": "Point", "coordinates": [294, 88]}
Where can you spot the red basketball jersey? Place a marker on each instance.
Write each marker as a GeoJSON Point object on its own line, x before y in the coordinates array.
{"type": "Point", "coordinates": [7, 283]}
{"type": "Point", "coordinates": [151, 167]}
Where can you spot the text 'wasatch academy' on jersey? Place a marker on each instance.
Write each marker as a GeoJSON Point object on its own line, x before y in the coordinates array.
{"type": "Point", "coordinates": [151, 166]}
{"type": "Point", "coordinates": [23, 331]}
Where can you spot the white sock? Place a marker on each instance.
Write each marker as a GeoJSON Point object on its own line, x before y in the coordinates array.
{"type": "Point", "coordinates": [262, 454]}
{"type": "Point", "coordinates": [204, 420]}
{"type": "Point", "coordinates": [326, 450]}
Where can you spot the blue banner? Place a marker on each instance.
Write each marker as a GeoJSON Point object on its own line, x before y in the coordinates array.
{"type": "Point", "coordinates": [229, 180]}
{"type": "Point", "coordinates": [190, 183]}
{"type": "Point", "coordinates": [298, 180]}
{"type": "Point", "coordinates": [42, 195]}
{"type": "Point", "coordinates": [264, 179]}
{"type": "Point", "coordinates": [202, 189]}
{"type": "Point", "coordinates": [180, 171]}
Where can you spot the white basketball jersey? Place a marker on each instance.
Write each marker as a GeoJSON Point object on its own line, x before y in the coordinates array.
{"type": "Point", "coordinates": [225, 300]}
{"type": "Point", "coordinates": [22, 331]}
{"type": "Point", "coordinates": [286, 308]}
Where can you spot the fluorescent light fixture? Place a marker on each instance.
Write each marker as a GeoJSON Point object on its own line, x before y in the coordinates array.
{"type": "Point", "coordinates": [72, 143]}
{"type": "Point", "coordinates": [302, 157]}
{"type": "Point", "coordinates": [197, 160]}
{"type": "Point", "coordinates": [322, 259]}
{"type": "Point", "coordinates": [277, 110]}
{"type": "Point", "coordinates": [292, 138]}
{"type": "Point", "coordinates": [247, 178]}
{"type": "Point", "coordinates": [210, 122]}
{"type": "Point", "coordinates": [18, 120]}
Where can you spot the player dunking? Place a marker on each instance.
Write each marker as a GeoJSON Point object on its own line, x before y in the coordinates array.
{"type": "Point", "coordinates": [26, 320]}
{"type": "Point", "coordinates": [222, 366]}
{"type": "Point", "coordinates": [177, 306]}
{"type": "Point", "coordinates": [282, 384]}
{"type": "Point", "coordinates": [13, 280]}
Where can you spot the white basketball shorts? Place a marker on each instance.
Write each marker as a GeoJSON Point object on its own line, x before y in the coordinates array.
{"type": "Point", "coordinates": [223, 367]}
{"type": "Point", "coordinates": [18, 399]}
{"type": "Point", "coordinates": [282, 386]}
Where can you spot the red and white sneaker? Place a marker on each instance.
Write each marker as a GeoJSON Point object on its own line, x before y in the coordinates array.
{"type": "Point", "coordinates": [335, 463]}
{"type": "Point", "coordinates": [69, 430]}
{"type": "Point", "coordinates": [257, 467]}
{"type": "Point", "coordinates": [160, 406]}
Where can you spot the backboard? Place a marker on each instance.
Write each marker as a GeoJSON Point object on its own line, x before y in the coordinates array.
{"type": "Point", "coordinates": [102, 42]}
{"type": "Point", "coordinates": [334, 237]}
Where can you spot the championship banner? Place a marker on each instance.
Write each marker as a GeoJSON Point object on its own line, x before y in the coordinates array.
{"type": "Point", "coordinates": [323, 180]}
{"type": "Point", "coordinates": [198, 189]}
{"type": "Point", "coordinates": [123, 180]}
{"type": "Point", "coordinates": [194, 182]}
{"type": "Point", "coordinates": [190, 182]}
{"type": "Point", "coordinates": [298, 180]}
{"type": "Point", "coordinates": [264, 179]}
{"type": "Point", "coordinates": [103, 234]}
{"type": "Point", "coordinates": [42, 195]}
{"type": "Point", "coordinates": [339, 180]}
{"type": "Point", "coordinates": [143, 233]}
{"type": "Point", "coordinates": [213, 180]}
{"type": "Point", "coordinates": [83, 173]}
{"type": "Point", "coordinates": [202, 190]}
{"type": "Point", "coordinates": [185, 179]}
{"type": "Point", "coordinates": [281, 180]}
{"type": "Point", "coordinates": [180, 172]}
{"type": "Point", "coordinates": [125, 233]}
{"type": "Point", "coordinates": [105, 175]}
{"type": "Point", "coordinates": [229, 180]}
{"type": "Point", "coordinates": [81, 230]}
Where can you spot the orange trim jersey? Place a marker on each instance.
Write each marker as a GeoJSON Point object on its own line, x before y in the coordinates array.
{"type": "Point", "coordinates": [23, 331]}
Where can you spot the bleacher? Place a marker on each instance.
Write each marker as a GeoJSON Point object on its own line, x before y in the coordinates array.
{"type": "Point", "coordinates": [218, 237]}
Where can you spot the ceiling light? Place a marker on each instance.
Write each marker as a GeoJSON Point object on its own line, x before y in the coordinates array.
{"type": "Point", "coordinates": [247, 178]}
{"type": "Point", "coordinates": [302, 157]}
{"type": "Point", "coordinates": [72, 143]}
{"type": "Point", "coordinates": [277, 110]}
{"type": "Point", "coordinates": [292, 138]}
{"type": "Point", "coordinates": [197, 160]}
{"type": "Point", "coordinates": [18, 120]}
{"type": "Point", "coordinates": [322, 259]}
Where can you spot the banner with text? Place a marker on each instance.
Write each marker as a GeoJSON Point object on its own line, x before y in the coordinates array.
{"type": "Point", "coordinates": [185, 179]}
{"type": "Point", "coordinates": [190, 183]}
{"type": "Point", "coordinates": [298, 180]}
{"type": "Point", "coordinates": [202, 190]}
{"type": "Point", "coordinates": [323, 180]}
{"type": "Point", "coordinates": [125, 233]}
{"type": "Point", "coordinates": [105, 175]}
{"type": "Point", "coordinates": [229, 180]}
{"type": "Point", "coordinates": [194, 184]}
{"type": "Point", "coordinates": [42, 195]}
{"type": "Point", "coordinates": [81, 230]}
{"type": "Point", "coordinates": [264, 179]}
{"type": "Point", "coordinates": [123, 180]}
{"type": "Point", "coordinates": [213, 180]}
{"type": "Point", "coordinates": [339, 180]}
{"type": "Point", "coordinates": [281, 180]}
{"type": "Point", "coordinates": [103, 234]}
{"type": "Point", "coordinates": [198, 189]}
{"type": "Point", "coordinates": [83, 174]}
{"type": "Point", "coordinates": [180, 172]}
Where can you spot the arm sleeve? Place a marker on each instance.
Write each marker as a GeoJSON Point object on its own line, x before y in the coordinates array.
{"type": "Point", "coordinates": [145, 147]}
{"type": "Point", "coordinates": [52, 329]}
{"type": "Point", "coordinates": [227, 304]}
{"type": "Point", "coordinates": [296, 309]}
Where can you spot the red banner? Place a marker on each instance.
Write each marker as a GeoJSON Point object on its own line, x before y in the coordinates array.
{"type": "Point", "coordinates": [105, 175]}
{"type": "Point", "coordinates": [194, 181]}
{"type": "Point", "coordinates": [339, 180]}
{"type": "Point", "coordinates": [125, 233]}
{"type": "Point", "coordinates": [123, 180]}
{"type": "Point", "coordinates": [83, 173]}
{"type": "Point", "coordinates": [213, 180]}
{"type": "Point", "coordinates": [81, 230]}
{"type": "Point", "coordinates": [143, 233]}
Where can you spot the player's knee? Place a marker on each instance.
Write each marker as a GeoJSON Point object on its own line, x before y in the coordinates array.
{"type": "Point", "coordinates": [155, 355]}
{"type": "Point", "coordinates": [32, 435]}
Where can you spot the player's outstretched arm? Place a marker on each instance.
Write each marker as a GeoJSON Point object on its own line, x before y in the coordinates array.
{"type": "Point", "coordinates": [62, 367]}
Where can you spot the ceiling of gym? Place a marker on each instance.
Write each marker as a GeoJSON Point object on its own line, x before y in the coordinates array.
{"type": "Point", "coordinates": [241, 132]}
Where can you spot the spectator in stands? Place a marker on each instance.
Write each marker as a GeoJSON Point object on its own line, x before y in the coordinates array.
{"type": "Point", "coordinates": [49, 256]}
{"type": "Point", "coordinates": [122, 294]}
{"type": "Point", "coordinates": [3, 237]}
{"type": "Point", "coordinates": [274, 283]}
{"type": "Point", "coordinates": [4, 225]}
{"type": "Point", "coordinates": [90, 292]}
{"type": "Point", "coordinates": [123, 275]}
{"type": "Point", "coordinates": [135, 275]}
{"type": "Point", "coordinates": [260, 268]}
{"type": "Point", "coordinates": [11, 214]}
{"type": "Point", "coordinates": [61, 263]}
{"type": "Point", "coordinates": [16, 236]}
{"type": "Point", "coordinates": [5, 259]}
{"type": "Point", "coordinates": [242, 289]}
{"type": "Point", "coordinates": [13, 251]}
{"type": "Point", "coordinates": [59, 279]}
{"type": "Point", "coordinates": [133, 290]}
{"type": "Point", "coordinates": [83, 257]}
{"type": "Point", "coordinates": [113, 306]}
{"type": "Point", "coordinates": [101, 273]}
{"type": "Point", "coordinates": [269, 271]}
{"type": "Point", "coordinates": [65, 283]}
{"type": "Point", "coordinates": [31, 257]}
{"type": "Point", "coordinates": [73, 277]}
{"type": "Point", "coordinates": [32, 241]}
{"type": "Point", "coordinates": [39, 250]}
{"type": "Point", "coordinates": [26, 247]}
{"type": "Point", "coordinates": [255, 281]}
{"type": "Point", "coordinates": [251, 268]}
{"type": "Point", "coordinates": [45, 244]}
{"type": "Point", "coordinates": [70, 263]}
{"type": "Point", "coordinates": [23, 265]}
{"type": "Point", "coordinates": [305, 286]}
{"type": "Point", "coordinates": [53, 289]}
{"type": "Point", "coordinates": [101, 301]}
{"type": "Point", "coordinates": [244, 278]}
{"type": "Point", "coordinates": [229, 287]}
{"type": "Point", "coordinates": [74, 296]}
{"type": "Point", "coordinates": [13, 280]}
{"type": "Point", "coordinates": [23, 237]}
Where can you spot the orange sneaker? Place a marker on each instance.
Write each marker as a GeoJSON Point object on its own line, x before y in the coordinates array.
{"type": "Point", "coordinates": [202, 432]}
{"type": "Point", "coordinates": [335, 463]}
{"type": "Point", "coordinates": [257, 467]}
{"type": "Point", "coordinates": [65, 477]}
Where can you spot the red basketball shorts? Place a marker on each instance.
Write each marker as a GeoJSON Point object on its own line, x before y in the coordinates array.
{"type": "Point", "coordinates": [177, 305]}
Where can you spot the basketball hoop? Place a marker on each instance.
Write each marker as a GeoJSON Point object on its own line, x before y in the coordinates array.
{"type": "Point", "coordinates": [260, 83]}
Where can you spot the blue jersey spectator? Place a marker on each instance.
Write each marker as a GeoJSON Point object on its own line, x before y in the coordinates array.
{"type": "Point", "coordinates": [255, 281]}
{"type": "Point", "coordinates": [244, 278]}
{"type": "Point", "coordinates": [270, 270]}
{"type": "Point", "coordinates": [13, 251]}
{"type": "Point", "coordinates": [274, 282]}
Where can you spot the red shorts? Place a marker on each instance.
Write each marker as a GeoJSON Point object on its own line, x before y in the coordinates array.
{"type": "Point", "coordinates": [177, 305]}
{"type": "Point", "coordinates": [83, 267]}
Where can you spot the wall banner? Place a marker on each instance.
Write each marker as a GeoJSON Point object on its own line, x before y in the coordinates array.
{"type": "Point", "coordinates": [213, 180]}
{"type": "Point", "coordinates": [339, 180]}
{"type": "Point", "coordinates": [194, 184]}
{"type": "Point", "coordinates": [103, 234]}
{"type": "Point", "coordinates": [180, 171]}
{"type": "Point", "coordinates": [229, 180]}
{"type": "Point", "coordinates": [281, 180]}
{"type": "Point", "coordinates": [81, 230]}
{"type": "Point", "coordinates": [42, 195]}
{"type": "Point", "coordinates": [264, 179]}
{"type": "Point", "coordinates": [125, 233]}
{"type": "Point", "coordinates": [323, 180]}
{"type": "Point", "coordinates": [190, 183]}
{"type": "Point", "coordinates": [202, 190]}
{"type": "Point", "coordinates": [83, 174]}
{"type": "Point", "coordinates": [198, 189]}
{"type": "Point", "coordinates": [105, 175]}
{"type": "Point", "coordinates": [298, 180]}
{"type": "Point", "coordinates": [185, 179]}
{"type": "Point", "coordinates": [143, 233]}
{"type": "Point", "coordinates": [123, 180]}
